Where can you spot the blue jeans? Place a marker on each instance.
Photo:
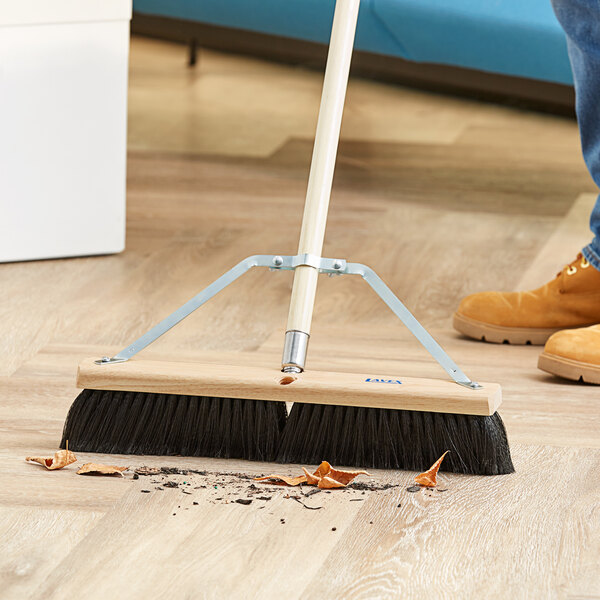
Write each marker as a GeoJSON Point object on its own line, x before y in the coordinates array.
{"type": "Point", "coordinates": [581, 21]}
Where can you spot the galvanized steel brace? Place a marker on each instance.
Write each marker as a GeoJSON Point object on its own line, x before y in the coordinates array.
{"type": "Point", "coordinates": [330, 266]}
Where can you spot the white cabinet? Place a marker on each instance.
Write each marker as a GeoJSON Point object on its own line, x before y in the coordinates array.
{"type": "Point", "coordinates": [63, 127]}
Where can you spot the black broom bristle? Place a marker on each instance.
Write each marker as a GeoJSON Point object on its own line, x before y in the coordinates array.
{"type": "Point", "coordinates": [144, 423]}
{"type": "Point", "coordinates": [395, 439]}
{"type": "Point", "coordinates": [162, 424]}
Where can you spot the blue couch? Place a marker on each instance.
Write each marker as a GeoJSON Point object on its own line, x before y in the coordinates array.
{"type": "Point", "coordinates": [511, 37]}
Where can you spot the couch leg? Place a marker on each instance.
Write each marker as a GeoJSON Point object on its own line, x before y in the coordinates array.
{"type": "Point", "coordinates": [192, 52]}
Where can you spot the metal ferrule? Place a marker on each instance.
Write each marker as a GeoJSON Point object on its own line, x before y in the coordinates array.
{"type": "Point", "coordinates": [294, 351]}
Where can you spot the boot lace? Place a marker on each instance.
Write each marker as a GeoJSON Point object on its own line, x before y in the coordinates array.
{"type": "Point", "coordinates": [583, 264]}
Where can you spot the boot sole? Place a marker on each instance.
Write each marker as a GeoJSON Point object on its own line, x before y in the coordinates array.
{"type": "Point", "coordinates": [496, 334]}
{"type": "Point", "coordinates": [569, 368]}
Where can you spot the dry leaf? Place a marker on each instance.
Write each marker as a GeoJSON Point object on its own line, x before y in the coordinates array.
{"type": "Point", "coordinates": [326, 483]}
{"type": "Point", "coordinates": [61, 459]}
{"type": "Point", "coordinates": [344, 477]}
{"type": "Point", "coordinates": [98, 469]}
{"type": "Point", "coordinates": [325, 477]}
{"type": "Point", "coordinates": [287, 480]}
{"type": "Point", "coordinates": [323, 469]}
{"type": "Point", "coordinates": [310, 479]}
{"type": "Point", "coordinates": [429, 477]}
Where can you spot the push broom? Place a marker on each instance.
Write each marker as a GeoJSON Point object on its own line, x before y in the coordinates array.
{"type": "Point", "coordinates": [370, 420]}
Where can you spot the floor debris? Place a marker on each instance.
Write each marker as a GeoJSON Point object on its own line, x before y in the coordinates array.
{"type": "Point", "coordinates": [61, 459]}
{"type": "Point", "coordinates": [429, 477]}
{"type": "Point", "coordinates": [100, 469]}
{"type": "Point", "coordinates": [216, 487]}
{"type": "Point", "coordinates": [297, 499]}
{"type": "Point", "coordinates": [324, 477]}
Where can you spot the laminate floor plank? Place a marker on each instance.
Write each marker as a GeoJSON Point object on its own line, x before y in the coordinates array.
{"type": "Point", "coordinates": [34, 541]}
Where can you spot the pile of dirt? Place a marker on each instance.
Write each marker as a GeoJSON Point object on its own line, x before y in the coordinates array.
{"type": "Point", "coordinates": [218, 487]}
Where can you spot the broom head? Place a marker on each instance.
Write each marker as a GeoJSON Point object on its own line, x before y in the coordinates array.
{"type": "Point", "coordinates": [158, 407]}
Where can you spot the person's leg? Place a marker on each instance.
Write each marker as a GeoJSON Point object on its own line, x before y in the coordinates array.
{"type": "Point", "coordinates": [572, 299]}
{"type": "Point", "coordinates": [581, 21]}
{"type": "Point", "coordinates": [575, 353]}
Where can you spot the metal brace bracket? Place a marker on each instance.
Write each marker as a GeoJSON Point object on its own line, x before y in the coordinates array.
{"type": "Point", "coordinates": [330, 266]}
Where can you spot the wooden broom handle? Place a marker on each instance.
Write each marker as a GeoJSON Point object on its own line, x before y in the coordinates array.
{"type": "Point", "coordinates": [323, 162]}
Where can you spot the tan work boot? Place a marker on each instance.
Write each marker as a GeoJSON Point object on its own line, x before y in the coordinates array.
{"type": "Point", "coordinates": [570, 300]}
{"type": "Point", "coordinates": [573, 354]}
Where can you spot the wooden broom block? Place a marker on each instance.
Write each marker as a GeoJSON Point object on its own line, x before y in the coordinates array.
{"type": "Point", "coordinates": [317, 387]}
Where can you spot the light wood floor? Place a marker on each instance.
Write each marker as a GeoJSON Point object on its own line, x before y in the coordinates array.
{"type": "Point", "coordinates": [442, 197]}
